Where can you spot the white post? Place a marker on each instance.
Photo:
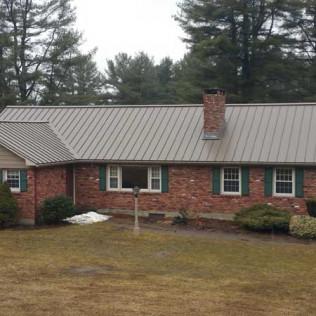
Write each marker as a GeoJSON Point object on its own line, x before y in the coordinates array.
{"type": "Point", "coordinates": [136, 224]}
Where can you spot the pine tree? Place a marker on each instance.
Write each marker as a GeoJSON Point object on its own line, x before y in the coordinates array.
{"type": "Point", "coordinates": [301, 26]}
{"type": "Point", "coordinates": [6, 89]}
{"type": "Point", "coordinates": [241, 46]}
{"type": "Point", "coordinates": [33, 26]}
{"type": "Point", "coordinates": [132, 80]}
{"type": "Point", "coordinates": [166, 77]}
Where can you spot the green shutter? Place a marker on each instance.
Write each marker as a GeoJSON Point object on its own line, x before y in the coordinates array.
{"type": "Point", "coordinates": [299, 182]}
{"type": "Point", "coordinates": [164, 179]}
{"type": "Point", "coordinates": [102, 178]}
{"type": "Point", "coordinates": [1, 176]}
{"type": "Point", "coordinates": [216, 180]}
{"type": "Point", "coordinates": [245, 181]}
{"type": "Point", "coordinates": [23, 179]}
{"type": "Point", "coordinates": [268, 181]}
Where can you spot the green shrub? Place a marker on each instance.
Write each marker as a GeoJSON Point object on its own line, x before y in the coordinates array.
{"type": "Point", "coordinates": [311, 207]}
{"type": "Point", "coordinates": [55, 210]}
{"type": "Point", "coordinates": [263, 218]}
{"type": "Point", "coordinates": [8, 207]}
{"type": "Point", "coordinates": [303, 227]}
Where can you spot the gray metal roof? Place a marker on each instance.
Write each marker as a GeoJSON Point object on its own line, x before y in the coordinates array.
{"type": "Point", "coordinates": [36, 142]}
{"type": "Point", "coordinates": [256, 133]}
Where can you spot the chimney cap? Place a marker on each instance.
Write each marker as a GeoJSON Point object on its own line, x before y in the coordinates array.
{"type": "Point", "coordinates": [217, 91]}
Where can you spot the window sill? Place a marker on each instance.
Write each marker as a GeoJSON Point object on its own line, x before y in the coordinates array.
{"type": "Point", "coordinates": [288, 196]}
{"type": "Point", "coordinates": [131, 192]}
{"type": "Point", "coordinates": [230, 194]}
{"type": "Point", "coordinates": [225, 194]}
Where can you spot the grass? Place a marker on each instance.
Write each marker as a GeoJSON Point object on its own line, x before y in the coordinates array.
{"type": "Point", "coordinates": [105, 270]}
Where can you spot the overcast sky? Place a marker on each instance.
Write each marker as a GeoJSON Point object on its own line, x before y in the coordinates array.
{"type": "Point", "coordinates": [130, 26]}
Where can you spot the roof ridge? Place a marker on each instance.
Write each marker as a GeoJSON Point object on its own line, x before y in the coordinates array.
{"type": "Point", "coordinates": [29, 122]}
{"type": "Point", "coordinates": [106, 106]}
{"type": "Point", "coordinates": [272, 104]}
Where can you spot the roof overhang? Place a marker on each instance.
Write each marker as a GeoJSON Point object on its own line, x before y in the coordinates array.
{"type": "Point", "coordinates": [187, 163]}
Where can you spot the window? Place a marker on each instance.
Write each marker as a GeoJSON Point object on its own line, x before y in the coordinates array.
{"type": "Point", "coordinates": [284, 181]}
{"type": "Point", "coordinates": [231, 180]}
{"type": "Point", "coordinates": [114, 177]}
{"type": "Point", "coordinates": [134, 176]}
{"type": "Point", "coordinates": [12, 178]}
{"type": "Point", "coordinates": [125, 178]}
{"type": "Point", "coordinates": [155, 178]}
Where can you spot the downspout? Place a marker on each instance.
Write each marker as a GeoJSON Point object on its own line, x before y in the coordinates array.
{"type": "Point", "coordinates": [74, 183]}
{"type": "Point", "coordinates": [35, 194]}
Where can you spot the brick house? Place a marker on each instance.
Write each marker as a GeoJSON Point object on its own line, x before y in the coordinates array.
{"type": "Point", "coordinates": [212, 158]}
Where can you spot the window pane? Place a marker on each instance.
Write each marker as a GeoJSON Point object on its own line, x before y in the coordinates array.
{"type": "Point", "coordinates": [284, 181]}
{"type": "Point", "coordinates": [113, 172]}
{"type": "Point", "coordinates": [231, 186]}
{"type": "Point", "coordinates": [155, 172]}
{"type": "Point", "coordinates": [155, 178]}
{"type": "Point", "coordinates": [284, 174]}
{"type": "Point", "coordinates": [114, 180]}
{"type": "Point", "coordinates": [284, 187]}
{"type": "Point", "coordinates": [155, 184]}
{"type": "Point", "coordinates": [13, 179]}
{"type": "Point", "coordinates": [113, 183]}
{"type": "Point", "coordinates": [134, 176]}
{"type": "Point", "coordinates": [231, 180]}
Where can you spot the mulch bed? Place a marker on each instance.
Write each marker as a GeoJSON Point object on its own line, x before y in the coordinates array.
{"type": "Point", "coordinates": [215, 225]}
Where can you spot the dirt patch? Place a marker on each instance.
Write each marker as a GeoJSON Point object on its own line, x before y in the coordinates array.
{"type": "Point", "coordinates": [163, 254]}
{"type": "Point", "coordinates": [215, 225]}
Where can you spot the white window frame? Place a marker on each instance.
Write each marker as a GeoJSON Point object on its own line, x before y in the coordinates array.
{"type": "Point", "coordinates": [5, 178]}
{"type": "Point", "coordinates": [150, 178]}
{"type": "Point", "coordinates": [120, 189]}
{"type": "Point", "coordinates": [274, 183]}
{"type": "Point", "coordinates": [108, 180]}
{"type": "Point", "coordinates": [222, 181]}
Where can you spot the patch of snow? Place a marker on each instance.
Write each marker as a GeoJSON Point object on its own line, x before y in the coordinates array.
{"type": "Point", "coordinates": [87, 218]}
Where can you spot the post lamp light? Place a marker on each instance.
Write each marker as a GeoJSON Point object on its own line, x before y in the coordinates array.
{"type": "Point", "coordinates": [136, 192]}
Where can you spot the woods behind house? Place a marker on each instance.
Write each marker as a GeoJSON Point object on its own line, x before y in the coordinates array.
{"type": "Point", "coordinates": [258, 50]}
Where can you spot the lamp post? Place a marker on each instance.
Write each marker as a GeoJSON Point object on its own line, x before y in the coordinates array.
{"type": "Point", "coordinates": [136, 192]}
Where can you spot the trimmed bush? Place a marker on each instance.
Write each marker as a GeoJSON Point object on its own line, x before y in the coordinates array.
{"type": "Point", "coordinates": [263, 218]}
{"type": "Point", "coordinates": [55, 210]}
{"type": "Point", "coordinates": [303, 227]}
{"type": "Point", "coordinates": [8, 207]}
{"type": "Point", "coordinates": [311, 207]}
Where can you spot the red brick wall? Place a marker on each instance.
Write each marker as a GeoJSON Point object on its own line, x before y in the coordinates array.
{"type": "Point", "coordinates": [50, 182]}
{"type": "Point", "coordinates": [42, 183]}
{"type": "Point", "coordinates": [26, 200]}
{"type": "Point", "coordinates": [189, 188]}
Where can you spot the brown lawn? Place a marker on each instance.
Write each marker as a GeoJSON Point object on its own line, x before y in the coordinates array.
{"type": "Point", "coordinates": [103, 269]}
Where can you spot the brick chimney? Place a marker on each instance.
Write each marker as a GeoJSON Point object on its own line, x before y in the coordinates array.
{"type": "Point", "coordinates": [214, 113]}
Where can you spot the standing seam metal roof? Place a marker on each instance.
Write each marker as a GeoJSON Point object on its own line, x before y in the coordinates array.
{"type": "Point", "coordinates": [255, 133]}
{"type": "Point", "coordinates": [34, 141]}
